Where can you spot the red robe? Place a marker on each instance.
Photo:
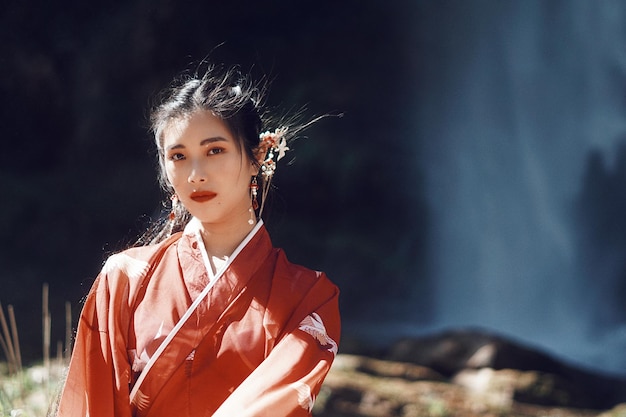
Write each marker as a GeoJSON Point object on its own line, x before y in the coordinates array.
{"type": "Point", "coordinates": [259, 344]}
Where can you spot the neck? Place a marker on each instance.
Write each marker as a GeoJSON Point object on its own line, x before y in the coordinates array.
{"type": "Point", "coordinates": [221, 240]}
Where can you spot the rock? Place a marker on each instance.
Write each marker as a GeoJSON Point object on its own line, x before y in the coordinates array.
{"type": "Point", "coordinates": [547, 380]}
{"type": "Point", "coordinates": [508, 385]}
{"type": "Point", "coordinates": [389, 369]}
{"type": "Point", "coordinates": [617, 411]}
{"type": "Point", "coordinates": [358, 386]}
{"type": "Point", "coordinates": [452, 351]}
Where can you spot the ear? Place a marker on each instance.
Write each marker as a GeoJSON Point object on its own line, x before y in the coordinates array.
{"type": "Point", "coordinates": [259, 154]}
{"type": "Point", "coordinates": [255, 167]}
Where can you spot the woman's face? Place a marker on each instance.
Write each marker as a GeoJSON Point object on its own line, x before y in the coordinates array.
{"type": "Point", "coordinates": [209, 172]}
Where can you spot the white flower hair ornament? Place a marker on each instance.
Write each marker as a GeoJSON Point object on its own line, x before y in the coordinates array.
{"type": "Point", "coordinates": [272, 145]}
{"type": "Point", "coordinates": [272, 148]}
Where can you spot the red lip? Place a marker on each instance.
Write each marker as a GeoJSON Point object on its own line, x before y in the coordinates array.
{"type": "Point", "coordinates": [202, 196]}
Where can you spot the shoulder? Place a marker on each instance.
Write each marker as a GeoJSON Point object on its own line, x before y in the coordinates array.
{"type": "Point", "coordinates": [134, 263]}
{"type": "Point", "coordinates": [284, 267]}
{"type": "Point", "coordinates": [299, 278]}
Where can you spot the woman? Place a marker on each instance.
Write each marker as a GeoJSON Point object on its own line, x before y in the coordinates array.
{"type": "Point", "coordinates": [208, 319]}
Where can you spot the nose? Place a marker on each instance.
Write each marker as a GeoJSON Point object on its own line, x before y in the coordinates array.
{"type": "Point", "coordinates": [197, 174]}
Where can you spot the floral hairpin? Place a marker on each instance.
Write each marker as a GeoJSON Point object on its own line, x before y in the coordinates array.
{"type": "Point", "coordinates": [272, 144]}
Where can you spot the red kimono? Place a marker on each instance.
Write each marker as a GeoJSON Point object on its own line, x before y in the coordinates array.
{"type": "Point", "coordinates": [257, 340]}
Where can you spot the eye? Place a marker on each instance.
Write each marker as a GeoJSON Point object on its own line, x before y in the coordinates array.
{"type": "Point", "coordinates": [176, 156]}
{"type": "Point", "coordinates": [215, 151]}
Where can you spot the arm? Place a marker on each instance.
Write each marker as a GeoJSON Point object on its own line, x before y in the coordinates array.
{"type": "Point", "coordinates": [98, 376]}
{"type": "Point", "coordinates": [288, 380]}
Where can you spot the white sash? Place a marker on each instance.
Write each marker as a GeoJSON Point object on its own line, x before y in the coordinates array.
{"type": "Point", "coordinates": [192, 308]}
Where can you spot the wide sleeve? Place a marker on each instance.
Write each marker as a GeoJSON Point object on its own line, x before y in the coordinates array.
{"type": "Point", "coordinates": [97, 383]}
{"type": "Point", "coordinates": [288, 380]}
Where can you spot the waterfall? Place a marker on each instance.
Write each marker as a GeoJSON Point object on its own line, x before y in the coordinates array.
{"type": "Point", "coordinates": [512, 98]}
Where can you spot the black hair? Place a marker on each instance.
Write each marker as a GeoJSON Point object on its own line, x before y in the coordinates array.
{"type": "Point", "coordinates": [229, 95]}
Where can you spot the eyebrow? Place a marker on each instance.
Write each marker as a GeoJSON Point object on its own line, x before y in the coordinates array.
{"type": "Point", "coordinates": [204, 142]}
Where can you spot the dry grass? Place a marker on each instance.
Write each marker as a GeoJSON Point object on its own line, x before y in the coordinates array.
{"type": "Point", "coordinates": [31, 392]}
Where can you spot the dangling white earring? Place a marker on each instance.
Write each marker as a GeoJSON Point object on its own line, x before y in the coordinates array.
{"type": "Point", "coordinates": [255, 204]}
{"type": "Point", "coordinates": [254, 187]}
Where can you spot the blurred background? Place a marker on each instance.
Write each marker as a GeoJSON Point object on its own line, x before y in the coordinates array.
{"type": "Point", "coordinates": [477, 179]}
